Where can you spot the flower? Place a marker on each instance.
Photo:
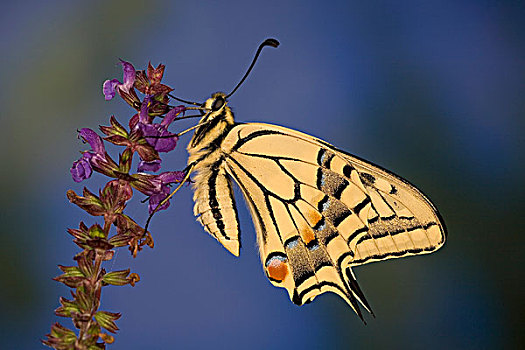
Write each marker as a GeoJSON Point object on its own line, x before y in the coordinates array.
{"type": "Point", "coordinates": [152, 166]}
{"type": "Point", "coordinates": [93, 139]}
{"type": "Point", "coordinates": [81, 168]}
{"type": "Point", "coordinates": [157, 134]}
{"type": "Point", "coordinates": [162, 189]}
{"type": "Point", "coordinates": [96, 159]}
{"type": "Point", "coordinates": [157, 187]}
{"type": "Point", "coordinates": [97, 155]}
{"type": "Point", "coordinates": [146, 139]}
{"type": "Point", "coordinates": [156, 199]}
{"type": "Point", "coordinates": [134, 142]}
{"type": "Point", "coordinates": [110, 87]}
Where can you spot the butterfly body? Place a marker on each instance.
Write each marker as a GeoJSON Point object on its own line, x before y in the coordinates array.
{"type": "Point", "coordinates": [317, 210]}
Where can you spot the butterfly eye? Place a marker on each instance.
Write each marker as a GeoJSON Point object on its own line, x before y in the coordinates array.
{"type": "Point", "coordinates": [217, 104]}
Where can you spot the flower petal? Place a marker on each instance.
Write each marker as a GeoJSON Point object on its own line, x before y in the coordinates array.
{"type": "Point", "coordinates": [165, 142]}
{"type": "Point", "coordinates": [81, 170]}
{"type": "Point", "coordinates": [171, 176]}
{"type": "Point", "coordinates": [95, 141]}
{"type": "Point", "coordinates": [109, 88]}
{"type": "Point", "coordinates": [152, 166]}
{"type": "Point", "coordinates": [143, 114]}
{"type": "Point", "coordinates": [156, 199]}
{"type": "Point", "coordinates": [150, 132]}
{"type": "Point", "coordinates": [172, 114]}
{"type": "Point", "coordinates": [129, 75]}
{"type": "Point", "coordinates": [160, 139]}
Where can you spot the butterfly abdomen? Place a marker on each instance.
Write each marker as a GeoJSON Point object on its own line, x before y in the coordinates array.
{"type": "Point", "coordinates": [213, 194]}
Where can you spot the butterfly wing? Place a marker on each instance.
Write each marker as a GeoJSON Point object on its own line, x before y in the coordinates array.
{"type": "Point", "coordinates": [319, 211]}
{"type": "Point", "coordinates": [402, 221]}
{"type": "Point", "coordinates": [215, 205]}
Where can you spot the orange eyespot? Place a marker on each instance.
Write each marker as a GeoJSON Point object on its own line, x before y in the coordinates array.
{"type": "Point", "coordinates": [277, 269]}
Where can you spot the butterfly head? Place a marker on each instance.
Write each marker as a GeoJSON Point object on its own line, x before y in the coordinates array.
{"type": "Point", "coordinates": [217, 116]}
{"type": "Point", "coordinates": [216, 103]}
{"type": "Point", "coordinates": [216, 109]}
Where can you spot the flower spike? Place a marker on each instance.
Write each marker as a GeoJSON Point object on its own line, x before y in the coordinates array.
{"type": "Point", "coordinates": [146, 138]}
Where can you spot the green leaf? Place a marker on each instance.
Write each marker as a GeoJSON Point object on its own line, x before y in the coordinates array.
{"type": "Point", "coordinates": [60, 337]}
{"type": "Point", "coordinates": [72, 282]}
{"type": "Point", "coordinates": [127, 226]}
{"type": "Point", "coordinates": [118, 129]}
{"type": "Point", "coordinates": [68, 307]}
{"type": "Point", "coordinates": [57, 330]}
{"type": "Point", "coordinates": [70, 271]}
{"type": "Point", "coordinates": [115, 132]}
{"type": "Point", "coordinates": [116, 278]}
{"type": "Point", "coordinates": [84, 301]}
{"type": "Point", "coordinates": [81, 233]}
{"type": "Point", "coordinates": [90, 202]}
{"type": "Point", "coordinates": [85, 265]}
{"type": "Point", "coordinates": [94, 329]}
{"type": "Point", "coordinates": [120, 240]}
{"type": "Point", "coordinates": [125, 160]}
{"type": "Point", "coordinates": [106, 320]}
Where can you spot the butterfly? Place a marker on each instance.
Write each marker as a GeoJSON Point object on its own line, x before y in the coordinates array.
{"type": "Point", "coordinates": [317, 210]}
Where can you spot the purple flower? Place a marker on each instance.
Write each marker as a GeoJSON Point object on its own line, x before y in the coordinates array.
{"type": "Point", "coordinates": [95, 141]}
{"type": "Point", "coordinates": [109, 88]}
{"type": "Point", "coordinates": [81, 168]}
{"type": "Point", "coordinates": [152, 166]}
{"type": "Point", "coordinates": [156, 199]}
{"type": "Point", "coordinates": [96, 158]}
{"type": "Point", "coordinates": [157, 134]}
{"type": "Point", "coordinates": [158, 189]}
{"type": "Point", "coordinates": [98, 151]}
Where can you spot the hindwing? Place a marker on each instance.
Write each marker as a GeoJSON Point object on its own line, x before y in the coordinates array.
{"type": "Point", "coordinates": [319, 211]}
{"type": "Point", "coordinates": [215, 205]}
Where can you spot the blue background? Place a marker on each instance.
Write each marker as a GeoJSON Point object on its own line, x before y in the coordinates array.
{"type": "Point", "coordinates": [432, 90]}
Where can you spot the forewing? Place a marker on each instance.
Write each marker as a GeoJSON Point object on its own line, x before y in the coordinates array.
{"type": "Point", "coordinates": [402, 221]}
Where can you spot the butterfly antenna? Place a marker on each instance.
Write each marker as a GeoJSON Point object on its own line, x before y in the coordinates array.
{"type": "Point", "coordinates": [184, 101]}
{"type": "Point", "coordinates": [268, 42]}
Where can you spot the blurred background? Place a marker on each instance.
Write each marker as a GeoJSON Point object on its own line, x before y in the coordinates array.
{"type": "Point", "coordinates": [433, 91]}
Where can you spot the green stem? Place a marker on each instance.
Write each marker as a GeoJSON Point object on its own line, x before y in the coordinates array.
{"type": "Point", "coordinates": [95, 291]}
